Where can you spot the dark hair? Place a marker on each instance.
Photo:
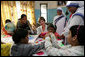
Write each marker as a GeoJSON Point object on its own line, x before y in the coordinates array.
{"type": "Point", "coordinates": [22, 15]}
{"type": "Point", "coordinates": [7, 21]}
{"type": "Point", "coordinates": [51, 25]}
{"type": "Point", "coordinates": [41, 18]}
{"type": "Point", "coordinates": [79, 31]}
{"type": "Point", "coordinates": [19, 34]}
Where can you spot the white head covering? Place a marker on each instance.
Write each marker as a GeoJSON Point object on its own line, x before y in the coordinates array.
{"type": "Point", "coordinates": [80, 5]}
{"type": "Point", "coordinates": [75, 3]}
{"type": "Point", "coordinates": [59, 8]}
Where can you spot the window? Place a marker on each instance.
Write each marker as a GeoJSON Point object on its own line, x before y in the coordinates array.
{"type": "Point", "coordinates": [44, 11]}
{"type": "Point", "coordinates": [61, 3]}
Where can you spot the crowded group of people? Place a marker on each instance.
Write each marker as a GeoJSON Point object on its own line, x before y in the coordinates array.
{"type": "Point", "coordinates": [72, 33]}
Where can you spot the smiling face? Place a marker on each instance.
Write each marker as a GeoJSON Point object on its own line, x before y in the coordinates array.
{"type": "Point", "coordinates": [51, 29]}
{"type": "Point", "coordinates": [42, 22]}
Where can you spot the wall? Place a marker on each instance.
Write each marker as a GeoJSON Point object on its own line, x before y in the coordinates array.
{"type": "Point", "coordinates": [51, 11]}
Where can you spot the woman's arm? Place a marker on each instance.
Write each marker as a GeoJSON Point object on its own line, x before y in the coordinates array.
{"type": "Point", "coordinates": [52, 51]}
{"type": "Point", "coordinates": [36, 48]}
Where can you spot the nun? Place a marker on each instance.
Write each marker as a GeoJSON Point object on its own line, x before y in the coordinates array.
{"type": "Point", "coordinates": [77, 18]}
{"type": "Point", "coordinates": [59, 20]}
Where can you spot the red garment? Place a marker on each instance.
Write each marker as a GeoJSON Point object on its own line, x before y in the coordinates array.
{"type": "Point", "coordinates": [70, 15]}
{"type": "Point", "coordinates": [43, 34]}
{"type": "Point", "coordinates": [5, 32]}
{"type": "Point", "coordinates": [56, 34]}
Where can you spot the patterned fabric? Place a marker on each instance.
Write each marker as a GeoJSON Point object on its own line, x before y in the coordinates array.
{"type": "Point", "coordinates": [53, 40]}
{"type": "Point", "coordinates": [4, 31]}
{"type": "Point", "coordinates": [5, 49]}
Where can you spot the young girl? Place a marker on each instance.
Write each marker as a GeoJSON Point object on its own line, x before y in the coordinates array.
{"type": "Point", "coordinates": [75, 38]}
{"type": "Point", "coordinates": [54, 36]}
{"type": "Point", "coordinates": [52, 29]}
{"type": "Point", "coordinates": [21, 46]}
{"type": "Point", "coordinates": [9, 28]}
{"type": "Point", "coordinates": [3, 30]}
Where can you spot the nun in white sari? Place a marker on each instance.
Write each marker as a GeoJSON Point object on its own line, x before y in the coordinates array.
{"type": "Point", "coordinates": [77, 17]}
{"type": "Point", "coordinates": [59, 20]}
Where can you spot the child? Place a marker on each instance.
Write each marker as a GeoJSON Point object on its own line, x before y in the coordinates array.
{"type": "Point", "coordinates": [54, 36]}
{"type": "Point", "coordinates": [9, 28]}
{"type": "Point", "coordinates": [21, 46]}
{"type": "Point", "coordinates": [52, 29]}
{"type": "Point", "coordinates": [75, 38]}
{"type": "Point", "coordinates": [3, 30]}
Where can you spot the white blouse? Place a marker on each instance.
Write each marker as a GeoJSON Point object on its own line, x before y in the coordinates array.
{"type": "Point", "coordinates": [39, 29]}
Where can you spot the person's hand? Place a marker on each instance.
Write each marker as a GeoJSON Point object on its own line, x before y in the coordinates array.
{"type": "Point", "coordinates": [62, 37]}
{"type": "Point", "coordinates": [41, 36]}
{"type": "Point", "coordinates": [48, 34]}
{"type": "Point", "coordinates": [33, 27]}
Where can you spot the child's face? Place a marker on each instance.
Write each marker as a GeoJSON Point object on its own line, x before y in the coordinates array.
{"type": "Point", "coordinates": [71, 40]}
{"type": "Point", "coordinates": [51, 29]}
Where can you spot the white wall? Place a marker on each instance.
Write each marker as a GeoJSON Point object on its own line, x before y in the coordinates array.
{"type": "Point", "coordinates": [51, 4]}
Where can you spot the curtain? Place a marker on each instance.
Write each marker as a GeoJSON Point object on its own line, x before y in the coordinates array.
{"type": "Point", "coordinates": [11, 10]}
{"type": "Point", "coordinates": [27, 7]}
{"type": "Point", "coordinates": [8, 11]}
